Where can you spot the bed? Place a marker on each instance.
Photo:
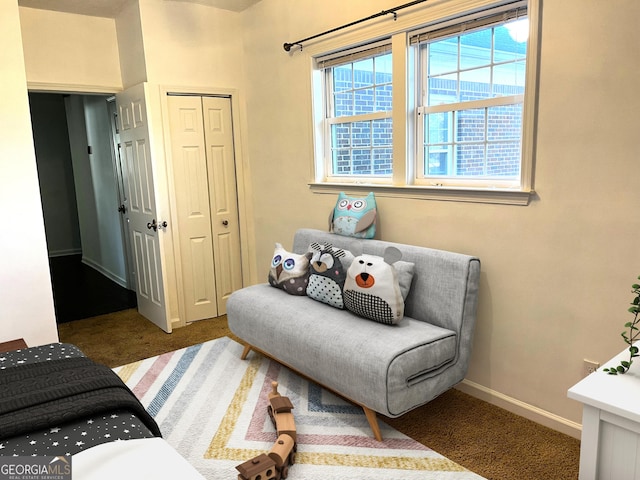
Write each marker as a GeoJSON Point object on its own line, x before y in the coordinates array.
{"type": "Point", "coordinates": [57, 402]}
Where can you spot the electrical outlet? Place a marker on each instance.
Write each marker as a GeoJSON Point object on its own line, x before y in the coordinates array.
{"type": "Point", "coordinates": [590, 366]}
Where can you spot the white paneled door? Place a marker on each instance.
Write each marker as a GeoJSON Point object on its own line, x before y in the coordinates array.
{"type": "Point", "coordinates": [140, 205]}
{"type": "Point", "coordinates": [204, 175]}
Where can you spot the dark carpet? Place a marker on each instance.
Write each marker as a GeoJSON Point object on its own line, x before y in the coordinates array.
{"type": "Point", "coordinates": [80, 291]}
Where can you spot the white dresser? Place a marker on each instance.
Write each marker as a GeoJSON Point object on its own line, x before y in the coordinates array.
{"type": "Point", "coordinates": [610, 445]}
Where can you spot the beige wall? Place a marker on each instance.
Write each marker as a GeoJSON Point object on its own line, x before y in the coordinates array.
{"type": "Point", "coordinates": [26, 301]}
{"type": "Point", "coordinates": [190, 44]}
{"type": "Point", "coordinates": [556, 274]}
{"type": "Point", "coordinates": [67, 49]}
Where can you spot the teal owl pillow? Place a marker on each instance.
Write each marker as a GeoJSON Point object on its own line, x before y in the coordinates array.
{"type": "Point", "coordinates": [354, 217]}
{"type": "Point", "coordinates": [289, 271]}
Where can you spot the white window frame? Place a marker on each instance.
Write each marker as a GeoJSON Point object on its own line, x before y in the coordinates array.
{"type": "Point", "coordinates": [340, 58]}
{"type": "Point", "coordinates": [460, 27]}
{"type": "Point", "coordinates": [403, 182]}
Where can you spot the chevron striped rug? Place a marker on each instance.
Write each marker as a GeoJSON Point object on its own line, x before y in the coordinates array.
{"type": "Point", "coordinates": [212, 408]}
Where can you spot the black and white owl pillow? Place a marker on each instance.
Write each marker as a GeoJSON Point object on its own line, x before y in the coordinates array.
{"type": "Point", "coordinates": [327, 273]}
{"type": "Point", "coordinates": [372, 289]}
{"type": "Point", "coordinates": [289, 271]}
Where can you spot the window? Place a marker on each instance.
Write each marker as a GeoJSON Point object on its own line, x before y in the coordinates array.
{"type": "Point", "coordinates": [469, 125]}
{"type": "Point", "coordinates": [438, 108]}
{"type": "Point", "coordinates": [358, 108]}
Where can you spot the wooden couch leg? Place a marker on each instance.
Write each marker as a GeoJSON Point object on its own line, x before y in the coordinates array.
{"type": "Point", "coordinates": [373, 422]}
{"type": "Point", "coordinates": [245, 352]}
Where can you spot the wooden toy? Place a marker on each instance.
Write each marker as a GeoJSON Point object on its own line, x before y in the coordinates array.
{"type": "Point", "coordinates": [274, 465]}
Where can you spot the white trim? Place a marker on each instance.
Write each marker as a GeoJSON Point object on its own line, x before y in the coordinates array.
{"type": "Point", "coordinates": [502, 196]}
{"type": "Point", "coordinates": [513, 405]}
{"type": "Point", "coordinates": [245, 213]}
{"type": "Point", "coordinates": [64, 253]}
{"type": "Point", "coordinates": [104, 271]}
{"type": "Point", "coordinates": [69, 88]}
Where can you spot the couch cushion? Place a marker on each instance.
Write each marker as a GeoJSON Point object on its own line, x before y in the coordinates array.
{"type": "Point", "coordinates": [380, 366]}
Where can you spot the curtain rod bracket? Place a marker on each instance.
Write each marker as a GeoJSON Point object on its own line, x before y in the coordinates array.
{"type": "Point", "coordinates": [392, 12]}
{"type": "Point", "coordinates": [287, 46]}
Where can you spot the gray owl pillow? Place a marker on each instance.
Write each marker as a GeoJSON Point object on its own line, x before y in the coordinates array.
{"type": "Point", "coordinates": [327, 273]}
{"type": "Point", "coordinates": [289, 271]}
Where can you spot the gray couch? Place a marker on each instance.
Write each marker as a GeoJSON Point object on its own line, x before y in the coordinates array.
{"type": "Point", "coordinates": [389, 369]}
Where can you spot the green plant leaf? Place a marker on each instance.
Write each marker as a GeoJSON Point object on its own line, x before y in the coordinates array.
{"type": "Point", "coordinates": [625, 364]}
{"type": "Point", "coordinates": [634, 349]}
{"type": "Point", "coordinates": [620, 369]}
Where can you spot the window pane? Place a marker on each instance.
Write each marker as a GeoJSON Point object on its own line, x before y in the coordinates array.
{"type": "Point", "coordinates": [443, 89]}
{"type": "Point", "coordinates": [341, 162]}
{"type": "Point", "coordinates": [361, 161]}
{"type": "Point", "coordinates": [470, 125]}
{"type": "Point", "coordinates": [361, 134]}
{"type": "Point", "coordinates": [443, 56]}
{"type": "Point", "coordinates": [503, 159]}
{"type": "Point", "coordinates": [504, 122]}
{"type": "Point", "coordinates": [511, 41]}
{"type": "Point", "coordinates": [475, 49]}
{"type": "Point", "coordinates": [485, 141]}
{"type": "Point", "coordinates": [340, 135]}
{"type": "Point", "coordinates": [382, 132]}
{"type": "Point", "coordinates": [439, 160]}
{"type": "Point", "coordinates": [342, 78]}
{"type": "Point", "coordinates": [475, 84]}
{"type": "Point", "coordinates": [361, 147]}
{"type": "Point", "coordinates": [364, 101]}
{"type": "Point", "coordinates": [383, 98]}
{"type": "Point", "coordinates": [508, 79]}
{"type": "Point", "coordinates": [343, 104]}
{"type": "Point", "coordinates": [383, 69]}
{"type": "Point", "coordinates": [382, 161]}
{"type": "Point", "coordinates": [363, 73]}
{"type": "Point", "coordinates": [439, 127]}
{"type": "Point", "coordinates": [470, 160]}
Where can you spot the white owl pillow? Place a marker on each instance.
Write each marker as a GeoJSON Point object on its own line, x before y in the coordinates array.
{"type": "Point", "coordinates": [372, 289]}
{"type": "Point", "coordinates": [289, 271]}
{"type": "Point", "coordinates": [327, 273]}
{"type": "Point", "coordinates": [354, 217]}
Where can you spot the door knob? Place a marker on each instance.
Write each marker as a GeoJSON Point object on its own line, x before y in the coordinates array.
{"type": "Point", "coordinates": [153, 225]}
{"type": "Point", "coordinates": [122, 209]}
{"type": "Point", "coordinates": [225, 222]}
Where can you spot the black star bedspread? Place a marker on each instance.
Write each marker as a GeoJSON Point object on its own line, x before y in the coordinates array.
{"type": "Point", "coordinates": [67, 437]}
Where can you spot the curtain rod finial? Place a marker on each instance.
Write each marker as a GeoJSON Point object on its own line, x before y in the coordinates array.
{"type": "Point", "coordinates": [287, 46]}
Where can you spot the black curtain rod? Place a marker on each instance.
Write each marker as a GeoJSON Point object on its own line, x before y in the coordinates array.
{"type": "Point", "coordinates": [287, 46]}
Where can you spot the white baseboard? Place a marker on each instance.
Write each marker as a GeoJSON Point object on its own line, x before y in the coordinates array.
{"type": "Point", "coordinates": [110, 275]}
{"type": "Point", "coordinates": [522, 409]}
{"type": "Point", "coordinates": [62, 253]}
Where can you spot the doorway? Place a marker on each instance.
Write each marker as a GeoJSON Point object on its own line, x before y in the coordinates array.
{"type": "Point", "coordinates": [74, 157]}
